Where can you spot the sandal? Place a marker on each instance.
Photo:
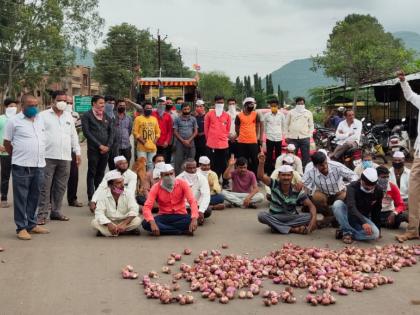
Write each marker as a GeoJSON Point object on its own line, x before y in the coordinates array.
{"type": "Point", "coordinates": [41, 222]}
{"type": "Point", "coordinates": [405, 237]}
{"type": "Point", "coordinates": [59, 218]}
{"type": "Point", "coordinates": [347, 239]}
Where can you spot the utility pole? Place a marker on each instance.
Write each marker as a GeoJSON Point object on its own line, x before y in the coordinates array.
{"type": "Point", "coordinates": [159, 41]}
{"type": "Point", "coordinates": [180, 60]}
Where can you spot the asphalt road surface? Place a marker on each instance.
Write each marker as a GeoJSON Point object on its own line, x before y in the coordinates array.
{"type": "Point", "coordinates": [70, 271]}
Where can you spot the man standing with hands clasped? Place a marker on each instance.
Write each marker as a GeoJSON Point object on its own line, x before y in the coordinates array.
{"type": "Point", "coordinates": [414, 181]}
{"type": "Point", "coordinates": [98, 130]}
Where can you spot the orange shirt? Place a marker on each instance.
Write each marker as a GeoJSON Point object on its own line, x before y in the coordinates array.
{"type": "Point", "coordinates": [170, 202]}
{"type": "Point", "coordinates": [247, 127]}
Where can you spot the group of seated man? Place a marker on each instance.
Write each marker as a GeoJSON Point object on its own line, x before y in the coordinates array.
{"type": "Point", "coordinates": [359, 203]}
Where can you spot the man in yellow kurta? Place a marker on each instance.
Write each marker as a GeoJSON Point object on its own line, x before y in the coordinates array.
{"type": "Point", "coordinates": [146, 131]}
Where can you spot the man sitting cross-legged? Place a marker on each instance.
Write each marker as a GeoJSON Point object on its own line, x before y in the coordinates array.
{"type": "Point", "coordinates": [130, 181]}
{"type": "Point", "coordinates": [245, 192]}
{"type": "Point", "coordinates": [199, 186]}
{"type": "Point", "coordinates": [216, 198]}
{"type": "Point", "coordinates": [282, 216]}
{"type": "Point", "coordinates": [170, 195]}
{"type": "Point", "coordinates": [116, 210]}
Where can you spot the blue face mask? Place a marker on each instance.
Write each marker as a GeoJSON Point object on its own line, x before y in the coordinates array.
{"type": "Point", "coordinates": [30, 111]}
{"type": "Point", "coordinates": [178, 106]}
{"type": "Point", "coordinates": [367, 164]}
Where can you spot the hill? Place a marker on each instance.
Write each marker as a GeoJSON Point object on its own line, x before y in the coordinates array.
{"type": "Point", "coordinates": [297, 77]}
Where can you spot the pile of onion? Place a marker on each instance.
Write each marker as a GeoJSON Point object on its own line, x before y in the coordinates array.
{"type": "Point", "coordinates": [321, 271]}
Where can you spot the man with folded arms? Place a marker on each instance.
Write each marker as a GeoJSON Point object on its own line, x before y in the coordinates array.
{"type": "Point", "coordinates": [170, 195]}
{"type": "Point", "coordinates": [117, 211]}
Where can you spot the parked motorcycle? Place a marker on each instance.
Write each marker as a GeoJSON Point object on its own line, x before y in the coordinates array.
{"type": "Point", "coordinates": [399, 139]}
{"type": "Point", "coordinates": [351, 158]}
{"type": "Point", "coordinates": [322, 136]}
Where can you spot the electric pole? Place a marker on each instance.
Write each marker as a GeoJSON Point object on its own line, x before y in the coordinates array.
{"type": "Point", "coordinates": [159, 41]}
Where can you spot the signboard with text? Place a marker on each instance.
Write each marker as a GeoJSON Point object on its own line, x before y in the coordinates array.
{"type": "Point", "coordinates": [82, 103]}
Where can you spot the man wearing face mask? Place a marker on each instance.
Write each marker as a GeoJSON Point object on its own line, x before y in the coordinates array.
{"type": "Point", "coordinates": [170, 195]}
{"type": "Point", "coordinates": [274, 125]}
{"type": "Point", "coordinates": [399, 174]}
{"type": "Point", "coordinates": [147, 132]}
{"type": "Point", "coordinates": [61, 140]}
{"type": "Point", "coordinates": [200, 138]}
{"type": "Point", "coordinates": [99, 132]}
{"type": "Point", "coordinates": [117, 211]}
{"type": "Point", "coordinates": [24, 141]}
{"type": "Point", "coordinates": [130, 181]}
{"type": "Point", "coordinates": [199, 186]}
{"type": "Point", "coordinates": [185, 130]}
{"type": "Point", "coordinates": [5, 159]}
{"type": "Point", "coordinates": [360, 215]}
{"type": "Point", "coordinates": [216, 198]}
{"type": "Point", "coordinates": [124, 126]}
{"type": "Point", "coordinates": [110, 110]}
{"type": "Point", "coordinates": [164, 143]}
{"type": "Point", "coordinates": [216, 129]}
{"type": "Point", "coordinates": [393, 209]}
{"type": "Point", "coordinates": [299, 128]}
{"type": "Point", "coordinates": [367, 161]}
{"type": "Point", "coordinates": [247, 126]}
{"type": "Point", "coordinates": [233, 112]}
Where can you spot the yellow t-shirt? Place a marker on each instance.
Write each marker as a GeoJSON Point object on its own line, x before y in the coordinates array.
{"type": "Point", "coordinates": [146, 128]}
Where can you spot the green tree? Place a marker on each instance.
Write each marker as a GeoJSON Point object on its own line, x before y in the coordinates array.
{"type": "Point", "coordinates": [248, 87]}
{"type": "Point", "coordinates": [239, 90]}
{"type": "Point", "coordinates": [38, 36]}
{"type": "Point", "coordinates": [125, 48]}
{"type": "Point", "coordinates": [316, 95]}
{"type": "Point", "coordinates": [359, 50]}
{"type": "Point", "coordinates": [269, 89]}
{"type": "Point", "coordinates": [215, 83]}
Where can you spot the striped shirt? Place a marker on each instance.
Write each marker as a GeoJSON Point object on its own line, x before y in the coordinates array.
{"type": "Point", "coordinates": [331, 183]}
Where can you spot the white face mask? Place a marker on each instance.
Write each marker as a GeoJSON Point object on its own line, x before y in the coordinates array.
{"type": "Point", "coordinates": [192, 179]}
{"type": "Point", "coordinates": [219, 109]}
{"type": "Point", "coordinates": [300, 108]}
{"type": "Point", "coordinates": [61, 105]}
{"type": "Point", "coordinates": [10, 111]}
{"type": "Point", "coordinates": [69, 108]}
{"type": "Point", "coordinates": [232, 109]}
{"type": "Point", "coordinates": [205, 173]}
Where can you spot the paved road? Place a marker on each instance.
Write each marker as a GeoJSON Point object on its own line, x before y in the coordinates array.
{"type": "Point", "coordinates": [70, 271]}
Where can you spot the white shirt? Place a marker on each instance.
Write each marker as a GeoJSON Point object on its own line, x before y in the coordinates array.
{"type": "Point", "coordinates": [28, 140]}
{"type": "Point", "coordinates": [299, 124]}
{"type": "Point", "coordinates": [404, 179]}
{"type": "Point", "coordinates": [349, 133]}
{"type": "Point", "coordinates": [130, 184]}
{"type": "Point", "coordinates": [274, 124]}
{"type": "Point", "coordinates": [107, 210]}
{"type": "Point", "coordinates": [331, 183]}
{"type": "Point", "coordinates": [61, 135]}
{"type": "Point", "coordinates": [200, 188]}
{"type": "Point", "coordinates": [232, 132]}
{"type": "Point", "coordinates": [297, 162]}
{"type": "Point", "coordinates": [414, 99]}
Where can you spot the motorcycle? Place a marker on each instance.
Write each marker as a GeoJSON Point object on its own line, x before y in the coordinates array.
{"type": "Point", "coordinates": [399, 139]}
{"type": "Point", "coordinates": [351, 158]}
{"type": "Point", "coordinates": [322, 136]}
{"type": "Point", "coordinates": [370, 143]}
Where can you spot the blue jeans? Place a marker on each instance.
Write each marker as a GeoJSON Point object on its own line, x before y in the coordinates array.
{"type": "Point", "coordinates": [170, 224]}
{"type": "Point", "coordinates": [149, 158]}
{"type": "Point", "coordinates": [349, 226]}
{"type": "Point", "coordinates": [216, 199]}
{"type": "Point", "coordinates": [26, 189]}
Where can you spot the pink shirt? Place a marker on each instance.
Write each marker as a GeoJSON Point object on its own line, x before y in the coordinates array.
{"type": "Point", "coordinates": [244, 183]}
{"type": "Point", "coordinates": [217, 130]}
{"type": "Point", "coordinates": [170, 202]}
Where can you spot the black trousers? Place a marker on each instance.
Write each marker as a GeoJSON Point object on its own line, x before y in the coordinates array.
{"type": "Point", "coordinates": [96, 170]}
{"type": "Point", "coordinates": [250, 152]}
{"type": "Point", "coordinates": [200, 146]}
{"type": "Point", "coordinates": [73, 180]}
{"type": "Point", "coordinates": [272, 146]}
{"type": "Point", "coordinates": [303, 145]}
{"type": "Point", "coordinates": [6, 167]}
{"type": "Point", "coordinates": [399, 218]}
{"type": "Point", "coordinates": [166, 152]}
{"type": "Point", "coordinates": [233, 148]}
{"type": "Point", "coordinates": [218, 159]}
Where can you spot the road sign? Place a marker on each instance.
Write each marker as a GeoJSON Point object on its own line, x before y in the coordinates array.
{"type": "Point", "coordinates": [82, 103]}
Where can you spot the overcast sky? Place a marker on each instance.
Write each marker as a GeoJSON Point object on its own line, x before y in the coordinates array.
{"type": "Point", "coordinates": [242, 37]}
